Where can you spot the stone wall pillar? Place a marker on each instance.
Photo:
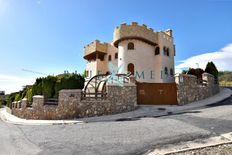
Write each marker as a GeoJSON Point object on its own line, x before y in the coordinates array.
{"type": "Point", "coordinates": [24, 103]}
{"type": "Point", "coordinates": [69, 100]}
{"type": "Point", "coordinates": [18, 104]}
{"type": "Point", "coordinates": [12, 105]}
{"type": "Point", "coordinates": [186, 88]}
{"type": "Point", "coordinates": [69, 94]}
{"type": "Point", "coordinates": [38, 101]}
{"type": "Point", "coordinates": [122, 98]}
{"type": "Point", "coordinates": [209, 78]}
{"type": "Point", "coordinates": [213, 87]}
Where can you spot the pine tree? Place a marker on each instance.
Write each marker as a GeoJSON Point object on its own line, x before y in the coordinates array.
{"type": "Point", "coordinates": [212, 69]}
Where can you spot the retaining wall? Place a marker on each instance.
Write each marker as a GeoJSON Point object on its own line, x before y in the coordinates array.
{"type": "Point", "coordinates": [190, 89]}
{"type": "Point", "coordinates": [70, 105]}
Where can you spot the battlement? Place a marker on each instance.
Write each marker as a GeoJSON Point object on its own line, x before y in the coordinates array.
{"type": "Point", "coordinates": [95, 47]}
{"type": "Point", "coordinates": [169, 32]}
{"type": "Point", "coordinates": [135, 31]}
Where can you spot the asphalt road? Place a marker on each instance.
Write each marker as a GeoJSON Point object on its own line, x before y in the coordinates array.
{"type": "Point", "coordinates": [121, 137]}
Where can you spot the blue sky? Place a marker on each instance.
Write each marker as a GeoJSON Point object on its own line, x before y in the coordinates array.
{"type": "Point", "coordinates": [48, 36]}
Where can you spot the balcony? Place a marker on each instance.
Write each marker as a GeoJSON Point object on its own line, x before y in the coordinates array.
{"type": "Point", "coordinates": [95, 50]}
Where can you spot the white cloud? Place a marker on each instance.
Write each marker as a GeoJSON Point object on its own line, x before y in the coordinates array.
{"type": "Point", "coordinates": [221, 58]}
{"type": "Point", "coordinates": [11, 83]}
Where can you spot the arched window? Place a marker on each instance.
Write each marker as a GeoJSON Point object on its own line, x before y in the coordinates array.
{"type": "Point", "coordinates": [166, 71]}
{"type": "Point", "coordinates": [109, 58]}
{"type": "Point", "coordinates": [171, 72]}
{"type": "Point", "coordinates": [130, 46]}
{"type": "Point", "coordinates": [116, 56]}
{"type": "Point", "coordinates": [131, 68]}
{"type": "Point", "coordinates": [167, 51]}
{"type": "Point", "coordinates": [157, 50]}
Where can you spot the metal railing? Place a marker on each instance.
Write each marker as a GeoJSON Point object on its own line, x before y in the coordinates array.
{"type": "Point", "coordinates": [51, 101]}
{"type": "Point", "coordinates": [96, 86]}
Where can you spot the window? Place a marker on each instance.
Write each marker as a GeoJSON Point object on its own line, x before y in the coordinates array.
{"type": "Point", "coordinates": [167, 51]}
{"type": "Point", "coordinates": [87, 73]}
{"type": "Point", "coordinates": [131, 68]}
{"type": "Point", "coordinates": [166, 71]}
{"type": "Point", "coordinates": [116, 55]}
{"type": "Point", "coordinates": [171, 72]}
{"type": "Point", "coordinates": [130, 46]}
{"type": "Point", "coordinates": [157, 51]}
{"type": "Point", "coordinates": [109, 58]}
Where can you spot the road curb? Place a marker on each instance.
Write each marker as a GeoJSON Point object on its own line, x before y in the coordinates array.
{"type": "Point", "coordinates": [18, 121]}
{"type": "Point", "coordinates": [193, 145]}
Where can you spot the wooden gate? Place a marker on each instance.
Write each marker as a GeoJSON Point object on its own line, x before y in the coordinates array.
{"type": "Point", "coordinates": [157, 93]}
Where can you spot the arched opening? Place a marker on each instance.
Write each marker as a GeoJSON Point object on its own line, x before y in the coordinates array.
{"type": "Point", "coordinates": [131, 68]}
{"type": "Point", "coordinates": [166, 71]}
{"type": "Point", "coordinates": [116, 55]}
{"type": "Point", "coordinates": [109, 58]}
{"type": "Point", "coordinates": [167, 51]}
{"type": "Point", "coordinates": [157, 50]}
{"type": "Point", "coordinates": [171, 72]}
{"type": "Point", "coordinates": [130, 46]}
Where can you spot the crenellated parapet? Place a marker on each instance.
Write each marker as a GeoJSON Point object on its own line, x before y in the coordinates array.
{"type": "Point", "coordinates": [95, 48]}
{"type": "Point", "coordinates": [135, 31]}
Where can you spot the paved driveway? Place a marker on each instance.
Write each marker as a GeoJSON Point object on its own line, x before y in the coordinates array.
{"type": "Point", "coordinates": [136, 136]}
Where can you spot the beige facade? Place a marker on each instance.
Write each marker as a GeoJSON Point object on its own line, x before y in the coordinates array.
{"type": "Point", "coordinates": [149, 55]}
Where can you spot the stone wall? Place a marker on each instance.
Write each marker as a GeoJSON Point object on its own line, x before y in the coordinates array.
{"type": "Point", "coordinates": [190, 89]}
{"type": "Point", "coordinates": [71, 105]}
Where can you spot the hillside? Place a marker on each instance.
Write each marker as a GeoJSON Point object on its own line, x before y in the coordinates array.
{"type": "Point", "coordinates": [225, 78]}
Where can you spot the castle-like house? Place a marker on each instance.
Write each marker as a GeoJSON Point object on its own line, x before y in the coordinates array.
{"type": "Point", "coordinates": [147, 54]}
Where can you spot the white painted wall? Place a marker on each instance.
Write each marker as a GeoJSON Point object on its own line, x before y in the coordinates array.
{"type": "Point", "coordinates": [144, 59]}
{"type": "Point", "coordinates": [166, 61]}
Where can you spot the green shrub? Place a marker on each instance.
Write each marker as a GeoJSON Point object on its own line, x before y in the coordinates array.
{"type": "Point", "coordinates": [71, 81]}
{"type": "Point", "coordinates": [49, 87]}
{"type": "Point", "coordinates": [37, 87]}
{"type": "Point", "coordinates": [11, 98]}
{"type": "Point", "coordinates": [197, 72]}
{"type": "Point", "coordinates": [29, 95]}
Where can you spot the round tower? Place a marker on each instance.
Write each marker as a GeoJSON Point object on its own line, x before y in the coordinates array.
{"type": "Point", "coordinates": [136, 45]}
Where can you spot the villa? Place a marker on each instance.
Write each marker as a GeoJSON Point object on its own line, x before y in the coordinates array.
{"type": "Point", "coordinates": [137, 49]}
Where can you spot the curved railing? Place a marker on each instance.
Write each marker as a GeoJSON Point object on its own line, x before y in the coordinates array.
{"type": "Point", "coordinates": [96, 86]}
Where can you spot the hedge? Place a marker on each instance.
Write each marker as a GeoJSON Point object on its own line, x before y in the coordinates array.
{"type": "Point", "coordinates": [49, 87]}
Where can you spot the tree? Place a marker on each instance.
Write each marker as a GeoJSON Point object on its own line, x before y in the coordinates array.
{"type": "Point", "coordinates": [48, 84]}
{"type": "Point", "coordinates": [29, 95]}
{"type": "Point", "coordinates": [197, 72]}
{"type": "Point", "coordinates": [184, 72]}
{"type": "Point", "coordinates": [49, 87]}
{"type": "Point", "coordinates": [212, 69]}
